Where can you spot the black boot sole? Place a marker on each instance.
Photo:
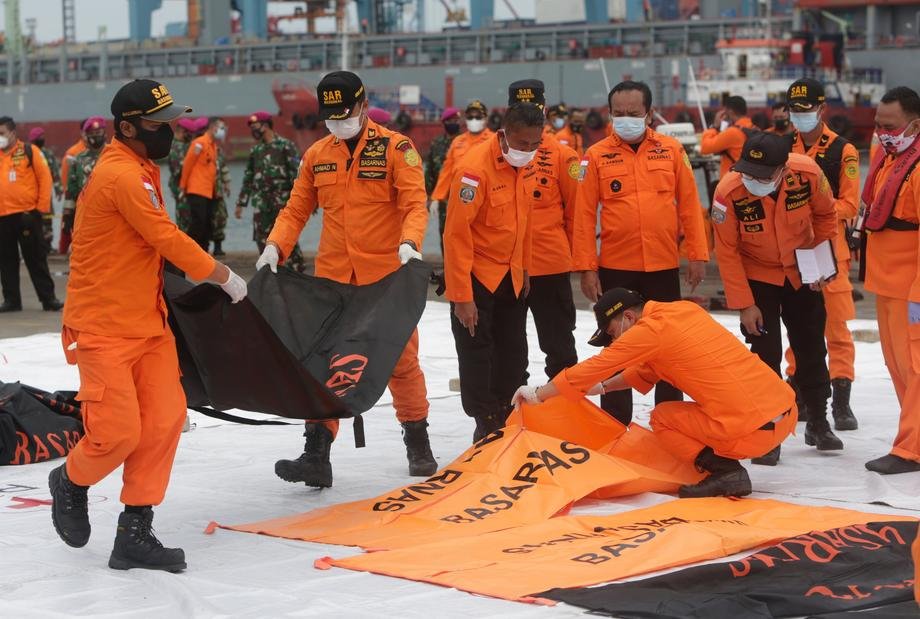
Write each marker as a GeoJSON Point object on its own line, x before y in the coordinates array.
{"type": "Point", "coordinates": [846, 424]}
{"type": "Point", "coordinates": [292, 474]}
{"type": "Point", "coordinates": [57, 527]}
{"type": "Point", "coordinates": [423, 469]}
{"type": "Point", "coordinates": [771, 458]}
{"type": "Point", "coordinates": [812, 442]}
{"type": "Point", "coordinates": [117, 563]}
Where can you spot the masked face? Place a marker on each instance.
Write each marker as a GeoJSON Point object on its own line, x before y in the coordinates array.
{"type": "Point", "coordinates": [4, 142]}
{"type": "Point", "coordinates": [40, 142]}
{"type": "Point", "coordinates": [558, 123]}
{"type": "Point", "coordinates": [95, 140]}
{"type": "Point", "coordinates": [517, 158]}
{"type": "Point", "coordinates": [257, 131]}
{"type": "Point", "coordinates": [452, 127]}
{"type": "Point", "coordinates": [629, 128]}
{"type": "Point", "coordinates": [759, 187]}
{"type": "Point", "coordinates": [896, 142]}
{"type": "Point", "coordinates": [157, 141]}
{"type": "Point", "coordinates": [804, 122]}
{"type": "Point", "coordinates": [220, 134]}
{"type": "Point", "coordinates": [347, 128]}
{"type": "Point", "coordinates": [475, 125]}
{"type": "Point", "coordinates": [780, 124]}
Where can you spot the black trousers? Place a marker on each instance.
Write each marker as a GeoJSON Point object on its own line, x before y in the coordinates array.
{"type": "Point", "coordinates": [802, 311]}
{"type": "Point", "coordinates": [23, 231]}
{"type": "Point", "coordinates": [201, 217]}
{"type": "Point", "coordinates": [493, 363]}
{"type": "Point", "coordinates": [653, 286]}
{"type": "Point", "coordinates": [550, 301]}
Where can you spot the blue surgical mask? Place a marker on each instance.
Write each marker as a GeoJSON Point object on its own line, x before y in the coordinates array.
{"type": "Point", "coordinates": [804, 122]}
{"type": "Point", "coordinates": [629, 128]}
{"type": "Point", "coordinates": [759, 188]}
{"type": "Point", "coordinates": [558, 123]}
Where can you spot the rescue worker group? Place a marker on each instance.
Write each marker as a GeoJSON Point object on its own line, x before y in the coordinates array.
{"type": "Point", "coordinates": [518, 211]}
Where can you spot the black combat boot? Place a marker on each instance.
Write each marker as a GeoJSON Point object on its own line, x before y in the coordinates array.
{"type": "Point", "coordinates": [418, 449]}
{"type": "Point", "coordinates": [312, 467]}
{"type": "Point", "coordinates": [218, 251]}
{"type": "Point", "coordinates": [137, 546]}
{"type": "Point", "coordinates": [800, 404]}
{"type": "Point", "coordinates": [486, 425]}
{"type": "Point", "coordinates": [68, 508]}
{"type": "Point", "coordinates": [10, 307]}
{"type": "Point", "coordinates": [844, 419]}
{"type": "Point", "coordinates": [892, 465]}
{"type": "Point", "coordinates": [817, 429]}
{"type": "Point", "coordinates": [771, 458]}
{"type": "Point", "coordinates": [726, 478]}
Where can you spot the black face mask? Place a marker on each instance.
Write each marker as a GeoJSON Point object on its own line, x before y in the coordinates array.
{"type": "Point", "coordinates": [157, 142]}
{"type": "Point", "coordinates": [40, 142]}
{"type": "Point", "coordinates": [575, 128]}
{"type": "Point", "coordinates": [452, 128]}
{"type": "Point", "coordinates": [257, 133]}
{"type": "Point", "coordinates": [780, 125]}
{"type": "Point", "coordinates": [95, 141]}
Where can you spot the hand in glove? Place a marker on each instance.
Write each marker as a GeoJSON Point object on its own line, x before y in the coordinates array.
{"type": "Point", "coordinates": [407, 252]}
{"type": "Point", "coordinates": [235, 287]}
{"type": "Point", "coordinates": [597, 389]}
{"type": "Point", "coordinates": [525, 394]}
{"type": "Point", "coordinates": [269, 257]}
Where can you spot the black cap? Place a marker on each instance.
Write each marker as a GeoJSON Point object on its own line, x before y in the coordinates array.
{"type": "Point", "coordinates": [147, 99]}
{"type": "Point", "coordinates": [762, 154]}
{"type": "Point", "coordinates": [476, 106]}
{"type": "Point", "coordinates": [338, 93]}
{"type": "Point", "coordinates": [612, 303]}
{"type": "Point", "coordinates": [527, 91]}
{"type": "Point", "coordinates": [559, 109]}
{"type": "Point", "coordinates": [805, 93]}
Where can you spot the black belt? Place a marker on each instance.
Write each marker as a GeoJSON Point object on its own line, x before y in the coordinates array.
{"type": "Point", "coordinates": [900, 225]}
{"type": "Point", "coordinates": [770, 425]}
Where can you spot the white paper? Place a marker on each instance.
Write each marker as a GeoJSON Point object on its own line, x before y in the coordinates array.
{"type": "Point", "coordinates": [817, 263]}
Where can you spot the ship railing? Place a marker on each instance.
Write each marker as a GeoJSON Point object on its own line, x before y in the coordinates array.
{"type": "Point", "coordinates": [120, 60]}
{"type": "Point", "coordinates": [793, 72]}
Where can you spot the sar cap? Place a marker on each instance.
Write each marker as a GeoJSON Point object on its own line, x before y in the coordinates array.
{"type": "Point", "coordinates": [527, 91]}
{"type": "Point", "coordinates": [805, 94]}
{"type": "Point", "coordinates": [762, 154]}
{"type": "Point", "coordinates": [611, 304]}
{"type": "Point", "coordinates": [476, 106]}
{"type": "Point", "coordinates": [338, 93]}
{"type": "Point", "coordinates": [146, 99]}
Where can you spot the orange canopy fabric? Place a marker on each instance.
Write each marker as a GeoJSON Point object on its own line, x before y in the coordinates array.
{"type": "Point", "coordinates": [578, 551]}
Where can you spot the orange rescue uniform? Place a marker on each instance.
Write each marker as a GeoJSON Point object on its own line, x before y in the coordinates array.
{"type": "Point", "coordinates": [24, 186]}
{"type": "Point", "coordinates": [553, 192]}
{"type": "Point", "coordinates": [115, 326]}
{"type": "Point", "coordinates": [199, 169]}
{"type": "Point", "coordinates": [838, 294]}
{"type": "Point", "coordinates": [488, 228]}
{"type": "Point", "coordinates": [646, 197]}
{"type": "Point", "coordinates": [372, 201]}
{"type": "Point", "coordinates": [740, 408]}
{"type": "Point", "coordinates": [75, 149]}
{"type": "Point", "coordinates": [756, 238]}
{"type": "Point", "coordinates": [573, 140]}
{"type": "Point", "coordinates": [892, 273]}
{"type": "Point", "coordinates": [727, 143]}
{"type": "Point", "coordinates": [458, 149]}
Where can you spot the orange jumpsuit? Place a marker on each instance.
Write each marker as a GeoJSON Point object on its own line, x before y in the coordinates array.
{"type": "Point", "coordinates": [573, 140]}
{"type": "Point", "coordinates": [892, 274]}
{"type": "Point", "coordinates": [838, 295]}
{"type": "Point", "coordinates": [24, 186]}
{"type": "Point", "coordinates": [115, 326]}
{"type": "Point", "coordinates": [199, 169]}
{"type": "Point", "coordinates": [727, 143]}
{"type": "Point", "coordinates": [646, 197]}
{"type": "Point", "coordinates": [553, 192]}
{"type": "Point", "coordinates": [489, 233]}
{"type": "Point", "coordinates": [458, 148]}
{"type": "Point", "coordinates": [75, 149]}
{"type": "Point", "coordinates": [756, 238]}
{"type": "Point", "coordinates": [740, 408]}
{"type": "Point", "coordinates": [372, 200]}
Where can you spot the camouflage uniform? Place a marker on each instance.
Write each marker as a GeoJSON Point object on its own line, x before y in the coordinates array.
{"type": "Point", "coordinates": [221, 192]}
{"type": "Point", "coordinates": [77, 175]}
{"type": "Point", "coordinates": [176, 157]}
{"type": "Point", "coordinates": [267, 182]}
{"type": "Point", "coordinates": [433, 163]}
{"type": "Point", "coordinates": [48, 218]}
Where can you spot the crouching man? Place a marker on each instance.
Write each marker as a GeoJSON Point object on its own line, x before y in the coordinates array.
{"type": "Point", "coordinates": [740, 409]}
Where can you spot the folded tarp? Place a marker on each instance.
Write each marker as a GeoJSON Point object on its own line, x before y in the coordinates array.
{"type": "Point", "coordinates": [36, 425]}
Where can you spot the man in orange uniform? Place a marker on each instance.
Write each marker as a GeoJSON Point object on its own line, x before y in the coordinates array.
{"type": "Point", "coordinates": [571, 135]}
{"type": "Point", "coordinates": [199, 181]}
{"type": "Point", "coordinates": [644, 184]}
{"type": "Point", "coordinates": [67, 217]}
{"type": "Point", "coordinates": [731, 127]}
{"type": "Point", "coordinates": [556, 117]}
{"type": "Point", "coordinates": [487, 245]}
{"type": "Point", "coordinates": [892, 194]}
{"type": "Point", "coordinates": [115, 330]}
{"type": "Point", "coordinates": [770, 205]}
{"type": "Point", "coordinates": [369, 182]}
{"type": "Point", "coordinates": [740, 408]}
{"type": "Point", "coordinates": [25, 193]}
{"type": "Point", "coordinates": [839, 161]}
{"type": "Point", "coordinates": [476, 133]}
{"type": "Point", "coordinates": [552, 214]}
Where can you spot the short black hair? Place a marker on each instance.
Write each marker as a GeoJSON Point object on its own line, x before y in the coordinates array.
{"type": "Point", "coordinates": [906, 97]}
{"type": "Point", "coordinates": [737, 105]}
{"type": "Point", "coordinates": [8, 122]}
{"type": "Point", "coordinates": [523, 115]}
{"type": "Point", "coordinates": [631, 85]}
{"type": "Point", "coordinates": [213, 120]}
{"type": "Point", "coordinates": [780, 107]}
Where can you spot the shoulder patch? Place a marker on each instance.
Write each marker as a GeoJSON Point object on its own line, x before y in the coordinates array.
{"type": "Point", "coordinates": [575, 170]}
{"type": "Point", "coordinates": [719, 212]}
{"type": "Point", "coordinates": [851, 169]}
{"type": "Point", "coordinates": [411, 157]}
{"type": "Point", "coordinates": [687, 161]}
{"type": "Point", "coordinates": [198, 148]}
{"type": "Point", "coordinates": [467, 194]}
{"type": "Point", "coordinates": [403, 145]}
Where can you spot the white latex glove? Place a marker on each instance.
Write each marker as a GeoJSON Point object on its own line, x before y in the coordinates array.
{"type": "Point", "coordinates": [270, 257]}
{"type": "Point", "coordinates": [406, 253]}
{"type": "Point", "coordinates": [235, 287]}
{"type": "Point", "coordinates": [433, 207]}
{"type": "Point", "coordinates": [597, 389]}
{"type": "Point", "coordinates": [525, 394]}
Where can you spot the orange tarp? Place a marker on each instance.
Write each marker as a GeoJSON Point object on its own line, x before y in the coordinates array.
{"type": "Point", "coordinates": [578, 551]}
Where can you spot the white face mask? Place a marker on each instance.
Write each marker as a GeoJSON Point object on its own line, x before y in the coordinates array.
{"type": "Point", "coordinates": [558, 123]}
{"type": "Point", "coordinates": [345, 129]}
{"type": "Point", "coordinates": [220, 134]}
{"type": "Point", "coordinates": [804, 122]}
{"type": "Point", "coordinates": [895, 143]}
{"type": "Point", "coordinates": [629, 128]}
{"type": "Point", "coordinates": [517, 158]}
{"type": "Point", "coordinates": [4, 141]}
{"type": "Point", "coordinates": [759, 188]}
{"type": "Point", "coordinates": [475, 125]}
{"type": "Point", "coordinates": [724, 125]}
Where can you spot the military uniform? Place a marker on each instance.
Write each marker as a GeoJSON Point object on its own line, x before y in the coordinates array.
{"type": "Point", "coordinates": [80, 168]}
{"type": "Point", "coordinates": [176, 157]}
{"type": "Point", "coordinates": [433, 164]}
{"type": "Point", "coordinates": [267, 183]}
{"type": "Point", "coordinates": [48, 218]}
{"type": "Point", "coordinates": [221, 192]}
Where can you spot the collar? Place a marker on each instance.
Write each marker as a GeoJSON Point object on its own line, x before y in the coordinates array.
{"type": "Point", "coordinates": [650, 138]}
